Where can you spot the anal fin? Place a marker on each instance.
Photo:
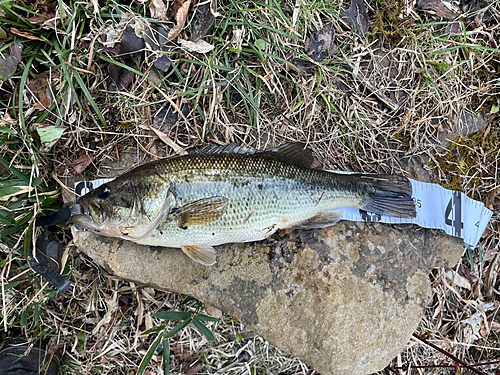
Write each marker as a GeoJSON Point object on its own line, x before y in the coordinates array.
{"type": "Point", "coordinates": [322, 220]}
{"type": "Point", "coordinates": [203, 254]}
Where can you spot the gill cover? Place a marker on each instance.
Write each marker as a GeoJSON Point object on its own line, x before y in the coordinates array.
{"type": "Point", "coordinates": [123, 208]}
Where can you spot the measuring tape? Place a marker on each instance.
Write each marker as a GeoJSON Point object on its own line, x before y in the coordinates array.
{"type": "Point", "coordinates": [437, 208]}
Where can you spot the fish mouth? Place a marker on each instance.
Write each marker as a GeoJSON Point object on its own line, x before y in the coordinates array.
{"type": "Point", "coordinates": [93, 218]}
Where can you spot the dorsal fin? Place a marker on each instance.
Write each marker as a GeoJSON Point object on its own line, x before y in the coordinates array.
{"type": "Point", "coordinates": [230, 149]}
{"type": "Point", "coordinates": [291, 153]}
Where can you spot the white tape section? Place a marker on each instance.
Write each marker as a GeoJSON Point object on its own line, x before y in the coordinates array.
{"type": "Point", "coordinates": [437, 208]}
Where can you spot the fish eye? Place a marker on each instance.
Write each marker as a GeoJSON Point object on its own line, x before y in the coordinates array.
{"type": "Point", "coordinates": [104, 192]}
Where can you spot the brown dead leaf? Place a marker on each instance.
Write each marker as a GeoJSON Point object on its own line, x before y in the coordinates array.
{"type": "Point", "coordinates": [356, 17]}
{"type": "Point", "coordinates": [494, 326]}
{"type": "Point", "coordinates": [441, 8]}
{"type": "Point", "coordinates": [121, 77]}
{"type": "Point", "coordinates": [38, 87]}
{"type": "Point", "coordinates": [26, 34]}
{"type": "Point", "coordinates": [180, 12]}
{"type": "Point", "coordinates": [82, 162]}
{"type": "Point", "coordinates": [36, 20]}
{"type": "Point", "coordinates": [491, 276]}
{"type": "Point", "coordinates": [158, 10]}
{"type": "Point", "coordinates": [177, 149]}
{"type": "Point", "coordinates": [193, 368]}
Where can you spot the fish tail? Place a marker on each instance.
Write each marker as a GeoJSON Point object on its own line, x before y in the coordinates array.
{"type": "Point", "coordinates": [389, 195]}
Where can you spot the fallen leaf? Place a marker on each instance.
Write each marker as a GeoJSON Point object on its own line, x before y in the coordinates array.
{"type": "Point", "coordinates": [166, 117]}
{"type": "Point", "coordinates": [204, 19]}
{"type": "Point", "coordinates": [200, 46]}
{"type": "Point", "coordinates": [82, 162]}
{"type": "Point", "coordinates": [193, 368]}
{"type": "Point", "coordinates": [121, 77]}
{"type": "Point", "coordinates": [454, 28]}
{"type": "Point", "coordinates": [26, 34]}
{"type": "Point", "coordinates": [110, 37]}
{"type": "Point", "coordinates": [304, 67]}
{"type": "Point", "coordinates": [356, 17]}
{"type": "Point", "coordinates": [321, 44]}
{"type": "Point", "coordinates": [16, 50]}
{"type": "Point", "coordinates": [131, 44]}
{"type": "Point", "coordinates": [156, 43]}
{"type": "Point", "coordinates": [36, 20]}
{"type": "Point", "coordinates": [494, 326]}
{"type": "Point", "coordinates": [112, 307]}
{"type": "Point", "coordinates": [49, 135]}
{"type": "Point", "coordinates": [38, 87]}
{"type": "Point", "coordinates": [8, 124]}
{"type": "Point", "coordinates": [457, 279]}
{"type": "Point", "coordinates": [441, 8]}
{"type": "Point", "coordinates": [260, 44]}
{"type": "Point", "coordinates": [177, 149]}
{"type": "Point", "coordinates": [158, 10]}
{"type": "Point", "coordinates": [180, 13]}
{"type": "Point", "coordinates": [8, 66]}
{"type": "Point", "coordinates": [153, 77]}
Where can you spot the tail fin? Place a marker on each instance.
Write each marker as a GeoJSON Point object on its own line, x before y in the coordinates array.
{"type": "Point", "coordinates": [390, 195]}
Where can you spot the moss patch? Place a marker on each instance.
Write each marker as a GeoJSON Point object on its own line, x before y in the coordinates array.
{"type": "Point", "coordinates": [470, 162]}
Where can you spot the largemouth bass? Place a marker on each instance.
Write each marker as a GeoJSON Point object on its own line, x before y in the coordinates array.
{"type": "Point", "coordinates": [222, 194]}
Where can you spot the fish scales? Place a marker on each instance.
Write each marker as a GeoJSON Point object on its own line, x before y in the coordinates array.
{"type": "Point", "coordinates": [202, 200]}
{"type": "Point", "coordinates": [263, 195]}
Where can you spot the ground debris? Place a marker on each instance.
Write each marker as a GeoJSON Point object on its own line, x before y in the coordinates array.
{"type": "Point", "coordinates": [448, 9]}
{"type": "Point", "coordinates": [82, 162]}
{"type": "Point", "coordinates": [157, 47]}
{"type": "Point", "coordinates": [204, 19]}
{"type": "Point", "coordinates": [322, 43]}
{"type": "Point", "coordinates": [8, 63]}
{"type": "Point", "coordinates": [357, 18]}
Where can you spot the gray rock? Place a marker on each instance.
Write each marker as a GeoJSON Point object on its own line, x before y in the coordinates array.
{"type": "Point", "coordinates": [345, 299]}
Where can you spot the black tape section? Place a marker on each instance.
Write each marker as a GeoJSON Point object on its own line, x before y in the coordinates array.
{"type": "Point", "coordinates": [62, 215]}
{"type": "Point", "coordinates": [53, 277]}
{"type": "Point", "coordinates": [57, 280]}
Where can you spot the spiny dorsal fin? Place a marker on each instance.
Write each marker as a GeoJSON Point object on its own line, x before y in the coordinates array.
{"type": "Point", "coordinates": [230, 149]}
{"type": "Point", "coordinates": [291, 153]}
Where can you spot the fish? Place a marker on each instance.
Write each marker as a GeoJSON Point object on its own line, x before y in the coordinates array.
{"type": "Point", "coordinates": [229, 194]}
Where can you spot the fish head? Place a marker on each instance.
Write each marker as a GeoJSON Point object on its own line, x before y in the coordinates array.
{"type": "Point", "coordinates": [121, 208]}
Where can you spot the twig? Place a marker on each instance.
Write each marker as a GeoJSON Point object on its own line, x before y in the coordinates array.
{"type": "Point", "coordinates": [456, 359]}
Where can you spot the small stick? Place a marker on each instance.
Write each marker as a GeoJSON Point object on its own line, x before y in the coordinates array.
{"type": "Point", "coordinates": [448, 355]}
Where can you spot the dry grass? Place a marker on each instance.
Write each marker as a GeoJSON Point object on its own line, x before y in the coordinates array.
{"type": "Point", "coordinates": [389, 103]}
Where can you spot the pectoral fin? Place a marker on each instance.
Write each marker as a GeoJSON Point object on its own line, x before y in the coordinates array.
{"type": "Point", "coordinates": [202, 254]}
{"type": "Point", "coordinates": [202, 211]}
{"type": "Point", "coordinates": [322, 220]}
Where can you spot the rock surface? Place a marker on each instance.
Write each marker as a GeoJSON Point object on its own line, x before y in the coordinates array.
{"type": "Point", "coordinates": [345, 299]}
